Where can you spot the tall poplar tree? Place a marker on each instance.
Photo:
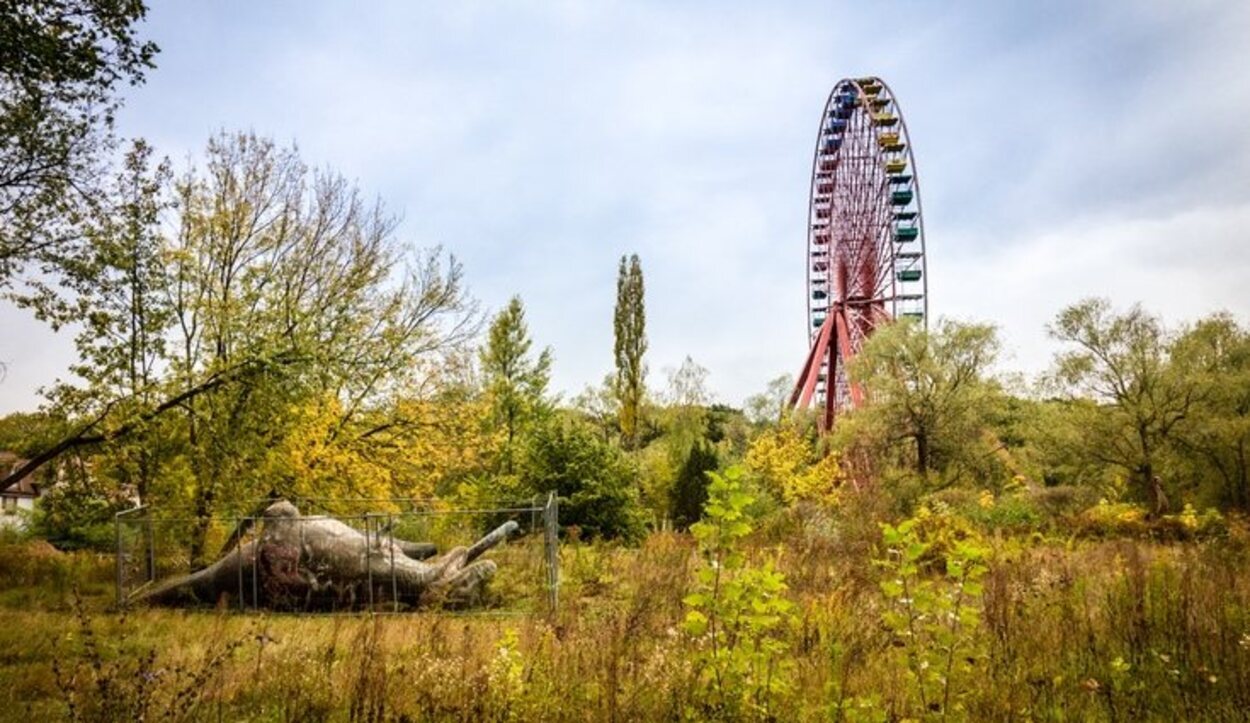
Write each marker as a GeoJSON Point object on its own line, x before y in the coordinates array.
{"type": "Point", "coordinates": [631, 344]}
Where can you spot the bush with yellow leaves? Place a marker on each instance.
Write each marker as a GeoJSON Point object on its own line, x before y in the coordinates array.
{"type": "Point", "coordinates": [790, 467]}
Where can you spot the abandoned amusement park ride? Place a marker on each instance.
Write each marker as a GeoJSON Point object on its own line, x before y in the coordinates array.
{"type": "Point", "coordinates": [865, 268]}
{"type": "Point", "coordinates": [865, 240]}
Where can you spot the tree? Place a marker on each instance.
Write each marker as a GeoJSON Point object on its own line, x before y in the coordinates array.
{"type": "Point", "coordinates": [768, 407]}
{"type": "Point", "coordinates": [927, 390]}
{"type": "Point", "coordinates": [1213, 357]}
{"type": "Point", "coordinates": [594, 480]}
{"type": "Point", "coordinates": [600, 406]}
{"type": "Point", "coordinates": [685, 423]}
{"type": "Point", "coordinates": [121, 299]}
{"type": "Point", "coordinates": [689, 492]}
{"type": "Point", "coordinates": [62, 63]}
{"type": "Point", "coordinates": [516, 383]}
{"type": "Point", "coordinates": [629, 325]}
{"type": "Point", "coordinates": [287, 286]}
{"type": "Point", "coordinates": [1121, 362]}
{"type": "Point", "coordinates": [283, 289]}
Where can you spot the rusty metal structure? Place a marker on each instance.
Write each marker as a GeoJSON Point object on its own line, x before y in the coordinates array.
{"type": "Point", "coordinates": [865, 240]}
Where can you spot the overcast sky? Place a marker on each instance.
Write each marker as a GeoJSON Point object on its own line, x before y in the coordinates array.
{"type": "Point", "coordinates": [1064, 149]}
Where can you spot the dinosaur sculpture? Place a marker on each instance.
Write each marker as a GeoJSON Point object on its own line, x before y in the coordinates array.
{"type": "Point", "coordinates": [303, 562]}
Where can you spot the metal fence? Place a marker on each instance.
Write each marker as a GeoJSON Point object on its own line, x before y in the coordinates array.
{"type": "Point", "coordinates": [153, 548]}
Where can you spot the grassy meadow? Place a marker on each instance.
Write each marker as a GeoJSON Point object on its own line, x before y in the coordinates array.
{"type": "Point", "coordinates": [1065, 628]}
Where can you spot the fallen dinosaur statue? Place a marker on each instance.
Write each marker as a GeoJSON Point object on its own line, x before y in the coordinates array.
{"type": "Point", "coordinates": [311, 562]}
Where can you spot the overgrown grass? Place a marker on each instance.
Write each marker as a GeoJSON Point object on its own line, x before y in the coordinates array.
{"type": "Point", "coordinates": [1119, 629]}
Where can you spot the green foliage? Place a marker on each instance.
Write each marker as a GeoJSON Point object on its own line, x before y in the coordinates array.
{"type": "Point", "coordinates": [515, 383]}
{"type": "Point", "coordinates": [931, 398]}
{"type": "Point", "coordinates": [63, 64]}
{"type": "Point", "coordinates": [271, 290]}
{"type": "Point", "coordinates": [737, 615]}
{"type": "Point", "coordinates": [78, 513]}
{"type": "Point", "coordinates": [683, 423]}
{"type": "Point", "coordinates": [1120, 361]}
{"type": "Point", "coordinates": [769, 406]}
{"type": "Point", "coordinates": [594, 480]}
{"type": "Point", "coordinates": [689, 491]}
{"type": "Point", "coordinates": [1214, 358]}
{"type": "Point", "coordinates": [629, 346]}
{"type": "Point", "coordinates": [934, 621]}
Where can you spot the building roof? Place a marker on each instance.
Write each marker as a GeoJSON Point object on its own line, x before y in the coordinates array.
{"type": "Point", "coordinates": [24, 487]}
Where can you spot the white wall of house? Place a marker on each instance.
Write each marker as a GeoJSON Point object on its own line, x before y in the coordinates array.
{"type": "Point", "coordinates": [14, 510]}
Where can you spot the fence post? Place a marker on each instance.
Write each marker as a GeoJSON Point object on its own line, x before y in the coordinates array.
{"type": "Point", "coordinates": [150, 533]}
{"type": "Point", "coordinates": [238, 552]}
{"type": "Point", "coordinates": [255, 566]}
{"type": "Point", "coordinates": [117, 524]}
{"type": "Point", "coordinates": [369, 559]}
{"type": "Point", "coordinates": [390, 526]}
{"type": "Point", "coordinates": [551, 538]}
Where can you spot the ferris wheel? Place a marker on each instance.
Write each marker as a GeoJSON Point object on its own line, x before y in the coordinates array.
{"type": "Point", "coordinates": [865, 240]}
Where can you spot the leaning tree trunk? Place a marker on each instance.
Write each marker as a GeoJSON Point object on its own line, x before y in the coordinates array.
{"type": "Point", "coordinates": [300, 562]}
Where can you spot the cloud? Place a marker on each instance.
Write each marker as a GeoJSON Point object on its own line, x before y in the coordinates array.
{"type": "Point", "coordinates": [1064, 149]}
{"type": "Point", "coordinates": [1180, 266]}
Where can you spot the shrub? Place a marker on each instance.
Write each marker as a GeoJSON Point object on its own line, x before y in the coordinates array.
{"type": "Point", "coordinates": [595, 481]}
{"type": "Point", "coordinates": [75, 515]}
{"type": "Point", "coordinates": [1063, 500]}
{"type": "Point", "coordinates": [737, 614]}
{"type": "Point", "coordinates": [934, 621]}
{"type": "Point", "coordinates": [689, 492]}
{"type": "Point", "coordinates": [1108, 519]}
{"type": "Point", "coordinates": [1012, 513]}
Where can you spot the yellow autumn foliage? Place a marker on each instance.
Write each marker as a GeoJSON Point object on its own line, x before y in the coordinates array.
{"type": "Point", "coordinates": [415, 449]}
{"type": "Point", "coordinates": [789, 467]}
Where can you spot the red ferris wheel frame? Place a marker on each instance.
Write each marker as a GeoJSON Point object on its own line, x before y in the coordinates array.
{"type": "Point", "coordinates": [865, 240]}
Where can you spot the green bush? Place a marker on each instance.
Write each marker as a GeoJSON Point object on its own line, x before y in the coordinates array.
{"type": "Point", "coordinates": [689, 491]}
{"type": "Point", "coordinates": [1011, 513]}
{"type": "Point", "coordinates": [934, 621]}
{"type": "Point", "coordinates": [737, 616]}
{"type": "Point", "coordinates": [595, 480]}
{"type": "Point", "coordinates": [76, 516]}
